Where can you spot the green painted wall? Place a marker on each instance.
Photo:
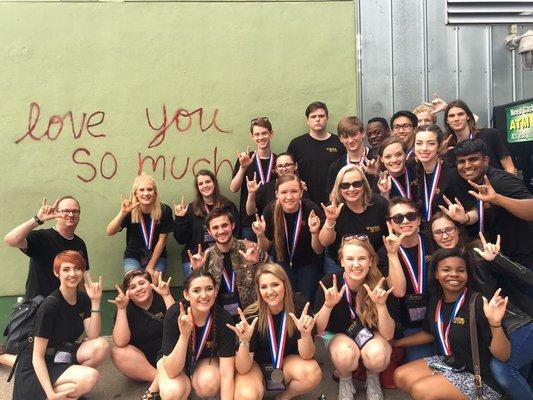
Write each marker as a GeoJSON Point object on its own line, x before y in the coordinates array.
{"type": "Point", "coordinates": [101, 74]}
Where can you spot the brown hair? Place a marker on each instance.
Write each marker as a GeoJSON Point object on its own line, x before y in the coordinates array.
{"type": "Point", "coordinates": [263, 122]}
{"type": "Point", "coordinates": [471, 120]}
{"type": "Point", "coordinates": [349, 126]}
{"type": "Point", "coordinates": [70, 256]}
{"type": "Point", "coordinates": [198, 204]}
{"type": "Point", "coordinates": [279, 226]}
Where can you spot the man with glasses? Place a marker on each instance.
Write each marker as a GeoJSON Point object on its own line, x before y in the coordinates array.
{"type": "Point", "coordinates": [43, 245]}
{"type": "Point", "coordinates": [403, 124]}
{"type": "Point", "coordinates": [257, 165]}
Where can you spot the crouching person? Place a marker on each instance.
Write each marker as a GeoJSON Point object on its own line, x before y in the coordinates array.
{"type": "Point", "coordinates": [54, 364]}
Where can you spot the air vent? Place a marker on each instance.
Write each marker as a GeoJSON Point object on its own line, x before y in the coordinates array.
{"type": "Point", "coordinates": [489, 12]}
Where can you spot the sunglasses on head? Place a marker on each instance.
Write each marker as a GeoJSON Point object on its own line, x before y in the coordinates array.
{"type": "Point", "coordinates": [399, 218]}
{"type": "Point", "coordinates": [355, 184]}
{"type": "Point", "coordinates": [348, 238]}
{"type": "Point", "coordinates": [253, 121]}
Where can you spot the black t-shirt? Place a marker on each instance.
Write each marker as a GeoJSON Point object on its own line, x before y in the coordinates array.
{"type": "Point", "coordinates": [259, 343]}
{"type": "Point", "coordinates": [314, 158]}
{"type": "Point", "coordinates": [221, 341]}
{"type": "Point", "coordinates": [412, 174]}
{"type": "Point", "coordinates": [496, 148]}
{"type": "Point", "coordinates": [370, 222]}
{"type": "Point", "coordinates": [134, 237]}
{"type": "Point", "coordinates": [246, 221]}
{"type": "Point", "coordinates": [59, 321]}
{"type": "Point", "coordinates": [146, 326]}
{"type": "Point", "coordinates": [304, 253]}
{"type": "Point", "coordinates": [340, 317]}
{"type": "Point", "coordinates": [43, 246]}
{"type": "Point", "coordinates": [398, 306]}
{"type": "Point", "coordinates": [459, 335]}
{"type": "Point", "coordinates": [336, 166]}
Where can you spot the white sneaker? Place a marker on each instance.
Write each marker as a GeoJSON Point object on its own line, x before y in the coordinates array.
{"type": "Point", "coordinates": [346, 389]}
{"type": "Point", "coordinates": [373, 386]}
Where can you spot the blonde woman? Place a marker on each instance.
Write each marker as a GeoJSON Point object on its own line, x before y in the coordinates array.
{"type": "Point", "coordinates": [353, 317]}
{"type": "Point", "coordinates": [147, 222]}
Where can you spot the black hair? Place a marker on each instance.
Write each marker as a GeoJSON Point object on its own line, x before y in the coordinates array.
{"type": "Point", "coordinates": [315, 106]}
{"type": "Point", "coordinates": [381, 120]}
{"type": "Point", "coordinates": [405, 113]}
{"type": "Point", "coordinates": [434, 129]}
{"type": "Point", "coordinates": [434, 286]}
{"type": "Point", "coordinates": [470, 146]}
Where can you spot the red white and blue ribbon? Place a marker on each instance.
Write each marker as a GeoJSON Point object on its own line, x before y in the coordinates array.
{"type": "Point", "coordinates": [229, 281]}
{"type": "Point", "coordinates": [204, 334]}
{"type": "Point", "coordinates": [481, 216]}
{"type": "Point", "coordinates": [264, 179]}
{"type": "Point", "coordinates": [148, 236]}
{"type": "Point", "coordinates": [291, 247]}
{"type": "Point", "coordinates": [349, 299]}
{"type": "Point", "coordinates": [398, 186]}
{"type": "Point", "coordinates": [409, 154]}
{"type": "Point", "coordinates": [418, 276]}
{"type": "Point", "coordinates": [429, 195]}
{"type": "Point", "coordinates": [443, 330]}
{"type": "Point", "coordinates": [361, 161]}
{"type": "Point", "coordinates": [277, 342]}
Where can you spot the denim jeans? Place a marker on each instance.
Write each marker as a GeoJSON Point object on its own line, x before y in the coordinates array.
{"type": "Point", "coordinates": [304, 279]}
{"type": "Point", "coordinates": [248, 234]}
{"type": "Point", "coordinates": [512, 374]}
{"type": "Point", "coordinates": [330, 263]}
{"type": "Point", "coordinates": [417, 352]}
{"type": "Point", "coordinates": [187, 268]}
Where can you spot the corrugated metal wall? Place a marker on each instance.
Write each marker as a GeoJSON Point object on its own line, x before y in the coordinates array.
{"type": "Point", "coordinates": [407, 53]}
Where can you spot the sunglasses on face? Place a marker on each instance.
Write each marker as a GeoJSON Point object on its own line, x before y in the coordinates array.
{"type": "Point", "coordinates": [355, 184]}
{"type": "Point", "coordinates": [399, 218]}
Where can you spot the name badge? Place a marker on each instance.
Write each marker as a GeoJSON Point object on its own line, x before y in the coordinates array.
{"type": "Point", "coordinates": [416, 307]}
{"type": "Point", "coordinates": [63, 357]}
{"type": "Point", "coordinates": [274, 378]}
{"type": "Point", "coordinates": [359, 333]}
{"type": "Point", "coordinates": [230, 302]}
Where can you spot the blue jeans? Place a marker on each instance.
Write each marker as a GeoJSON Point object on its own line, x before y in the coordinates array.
{"type": "Point", "coordinates": [330, 264]}
{"type": "Point", "coordinates": [131, 264]}
{"type": "Point", "coordinates": [187, 268]}
{"type": "Point", "coordinates": [304, 279]}
{"type": "Point", "coordinates": [417, 352]}
{"type": "Point", "coordinates": [512, 374]}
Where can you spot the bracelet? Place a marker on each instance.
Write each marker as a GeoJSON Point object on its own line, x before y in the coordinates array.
{"type": "Point", "coordinates": [243, 343]}
{"type": "Point", "coordinates": [330, 226]}
{"type": "Point", "coordinates": [467, 219]}
{"type": "Point", "coordinates": [497, 326]}
{"type": "Point", "coordinates": [95, 311]}
{"type": "Point", "coordinates": [39, 221]}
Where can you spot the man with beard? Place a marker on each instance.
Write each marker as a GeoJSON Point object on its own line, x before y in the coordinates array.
{"type": "Point", "coordinates": [232, 262]}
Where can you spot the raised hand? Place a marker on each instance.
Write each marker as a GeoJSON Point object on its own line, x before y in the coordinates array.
{"type": "Point", "coordinates": [484, 192]}
{"type": "Point", "coordinates": [332, 211]}
{"type": "Point", "coordinates": [305, 323]}
{"type": "Point", "coordinates": [180, 209]}
{"type": "Point", "coordinates": [243, 329]}
{"type": "Point", "coordinates": [378, 295]}
{"type": "Point", "coordinates": [252, 185]}
{"type": "Point", "coordinates": [185, 322]}
{"type": "Point", "coordinates": [259, 225]}
{"type": "Point", "coordinates": [47, 212]}
{"type": "Point", "coordinates": [332, 296]}
{"type": "Point", "coordinates": [162, 287]}
{"type": "Point", "coordinates": [392, 242]}
{"type": "Point", "coordinates": [93, 289]}
{"type": "Point", "coordinates": [303, 185]}
{"type": "Point", "coordinates": [455, 211]}
{"type": "Point", "coordinates": [197, 260]}
{"type": "Point", "coordinates": [251, 255]}
{"type": "Point", "coordinates": [313, 221]}
{"type": "Point", "coordinates": [437, 103]}
{"type": "Point", "coordinates": [127, 205]}
{"type": "Point", "coordinates": [244, 158]}
{"type": "Point", "coordinates": [495, 308]}
{"type": "Point", "coordinates": [445, 145]}
{"type": "Point", "coordinates": [122, 300]}
{"type": "Point", "coordinates": [371, 166]}
{"type": "Point", "coordinates": [384, 184]}
{"type": "Point", "coordinates": [490, 250]}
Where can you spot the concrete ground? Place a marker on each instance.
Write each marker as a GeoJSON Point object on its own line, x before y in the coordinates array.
{"type": "Point", "coordinates": [114, 386]}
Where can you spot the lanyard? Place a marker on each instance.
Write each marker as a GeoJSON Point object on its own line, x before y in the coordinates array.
{"type": "Point", "coordinates": [443, 330]}
{"type": "Point", "coordinates": [260, 168]}
{"type": "Point", "coordinates": [397, 185]}
{"type": "Point", "coordinates": [204, 334]}
{"type": "Point", "coordinates": [277, 345]}
{"type": "Point", "coordinates": [361, 161]}
{"type": "Point", "coordinates": [229, 279]}
{"type": "Point", "coordinates": [481, 216]}
{"type": "Point", "coordinates": [429, 196]}
{"type": "Point", "coordinates": [148, 236]}
{"type": "Point", "coordinates": [417, 277]}
{"type": "Point", "coordinates": [349, 298]}
{"type": "Point", "coordinates": [296, 234]}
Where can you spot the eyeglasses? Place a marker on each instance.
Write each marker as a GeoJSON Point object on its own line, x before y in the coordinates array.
{"type": "Point", "coordinates": [405, 127]}
{"type": "Point", "coordinates": [284, 166]}
{"type": "Point", "coordinates": [448, 231]}
{"type": "Point", "coordinates": [355, 184]}
{"type": "Point", "coordinates": [348, 238]}
{"type": "Point", "coordinates": [399, 218]}
{"type": "Point", "coordinates": [66, 212]}
{"type": "Point", "coordinates": [253, 121]}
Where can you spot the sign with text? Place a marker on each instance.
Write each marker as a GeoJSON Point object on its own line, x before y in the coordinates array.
{"type": "Point", "coordinates": [520, 123]}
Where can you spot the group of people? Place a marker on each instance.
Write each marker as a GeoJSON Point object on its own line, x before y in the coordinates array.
{"type": "Point", "coordinates": [377, 250]}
